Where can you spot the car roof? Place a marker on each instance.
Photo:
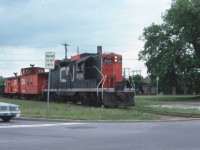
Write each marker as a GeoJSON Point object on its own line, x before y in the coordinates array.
{"type": "Point", "coordinates": [7, 104]}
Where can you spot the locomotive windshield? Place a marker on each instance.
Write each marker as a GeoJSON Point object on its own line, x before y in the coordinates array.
{"type": "Point", "coordinates": [119, 60]}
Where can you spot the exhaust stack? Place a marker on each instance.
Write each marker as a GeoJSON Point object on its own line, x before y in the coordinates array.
{"type": "Point", "coordinates": [99, 50]}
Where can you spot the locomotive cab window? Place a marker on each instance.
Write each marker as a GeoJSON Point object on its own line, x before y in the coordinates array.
{"type": "Point", "coordinates": [64, 71]}
{"type": "Point", "coordinates": [119, 60]}
{"type": "Point", "coordinates": [63, 74]}
{"type": "Point", "coordinates": [80, 66]}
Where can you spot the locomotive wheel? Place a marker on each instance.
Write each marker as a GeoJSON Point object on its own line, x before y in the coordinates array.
{"type": "Point", "coordinates": [27, 97]}
{"type": "Point", "coordinates": [84, 99]}
{"type": "Point", "coordinates": [53, 97]}
{"type": "Point", "coordinates": [76, 98]}
{"type": "Point", "coordinates": [93, 100]}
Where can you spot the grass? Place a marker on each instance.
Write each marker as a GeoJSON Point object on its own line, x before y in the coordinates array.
{"type": "Point", "coordinates": [68, 111]}
{"type": "Point", "coordinates": [148, 103]}
{"type": "Point", "coordinates": [35, 109]}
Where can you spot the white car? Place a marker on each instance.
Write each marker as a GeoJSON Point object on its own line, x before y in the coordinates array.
{"type": "Point", "coordinates": [9, 111]}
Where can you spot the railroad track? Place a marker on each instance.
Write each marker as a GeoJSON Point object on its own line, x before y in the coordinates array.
{"type": "Point", "coordinates": [172, 114]}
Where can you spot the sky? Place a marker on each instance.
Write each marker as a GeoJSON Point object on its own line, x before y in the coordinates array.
{"type": "Point", "coordinates": [29, 28]}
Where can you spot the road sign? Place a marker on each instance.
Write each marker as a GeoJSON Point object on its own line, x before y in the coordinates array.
{"type": "Point", "coordinates": [49, 64]}
{"type": "Point", "coordinates": [49, 60]}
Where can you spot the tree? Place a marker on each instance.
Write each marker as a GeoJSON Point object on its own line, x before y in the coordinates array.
{"type": "Point", "coordinates": [138, 81]}
{"type": "Point", "coordinates": [172, 49]}
{"type": "Point", "coordinates": [1, 80]}
{"type": "Point", "coordinates": [184, 19]}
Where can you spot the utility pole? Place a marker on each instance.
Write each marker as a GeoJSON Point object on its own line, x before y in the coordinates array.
{"type": "Point", "coordinates": [126, 70]}
{"type": "Point", "coordinates": [65, 45]}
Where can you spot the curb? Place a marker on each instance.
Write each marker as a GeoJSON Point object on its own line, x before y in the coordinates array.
{"type": "Point", "coordinates": [105, 121]}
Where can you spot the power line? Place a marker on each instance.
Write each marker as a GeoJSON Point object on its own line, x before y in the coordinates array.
{"type": "Point", "coordinates": [130, 59]}
{"type": "Point", "coordinates": [22, 60]}
{"type": "Point", "coordinates": [43, 60]}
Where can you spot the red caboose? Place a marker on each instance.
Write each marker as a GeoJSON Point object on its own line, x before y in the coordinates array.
{"type": "Point", "coordinates": [12, 86]}
{"type": "Point", "coordinates": [32, 82]}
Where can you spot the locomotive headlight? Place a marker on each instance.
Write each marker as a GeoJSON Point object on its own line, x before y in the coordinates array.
{"type": "Point", "coordinates": [115, 58]}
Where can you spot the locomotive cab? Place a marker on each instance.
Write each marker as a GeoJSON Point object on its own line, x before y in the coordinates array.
{"type": "Point", "coordinates": [123, 90]}
{"type": "Point", "coordinates": [112, 68]}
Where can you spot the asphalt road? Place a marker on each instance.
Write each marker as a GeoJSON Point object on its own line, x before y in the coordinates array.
{"type": "Point", "coordinates": [36, 135]}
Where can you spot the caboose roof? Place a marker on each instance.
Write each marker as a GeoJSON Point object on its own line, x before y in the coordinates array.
{"type": "Point", "coordinates": [13, 77]}
{"type": "Point", "coordinates": [33, 68]}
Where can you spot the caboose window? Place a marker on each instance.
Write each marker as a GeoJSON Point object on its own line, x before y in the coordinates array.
{"type": "Point", "coordinates": [27, 71]}
{"type": "Point", "coordinates": [41, 71]}
{"type": "Point", "coordinates": [15, 82]}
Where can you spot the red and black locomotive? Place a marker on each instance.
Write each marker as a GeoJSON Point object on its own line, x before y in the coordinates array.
{"type": "Point", "coordinates": [94, 79]}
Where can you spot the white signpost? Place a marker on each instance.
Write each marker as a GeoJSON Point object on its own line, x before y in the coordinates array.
{"type": "Point", "coordinates": [49, 64]}
{"type": "Point", "coordinates": [157, 79]}
{"type": "Point", "coordinates": [49, 60]}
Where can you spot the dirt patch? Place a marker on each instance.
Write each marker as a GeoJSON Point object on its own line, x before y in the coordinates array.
{"type": "Point", "coordinates": [185, 105]}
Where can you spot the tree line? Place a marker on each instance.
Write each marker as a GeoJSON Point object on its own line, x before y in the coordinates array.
{"type": "Point", "coordinates": [172, 49]}
{"type": "Point", "coordinates": [1, 80]}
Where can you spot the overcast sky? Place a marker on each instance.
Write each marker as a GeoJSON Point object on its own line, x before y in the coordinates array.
{"type": "Point", "coordinates": [29, 28]}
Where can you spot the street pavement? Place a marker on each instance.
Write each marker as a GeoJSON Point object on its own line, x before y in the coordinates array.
{"type": "Point", "coordinates": [44, 135]}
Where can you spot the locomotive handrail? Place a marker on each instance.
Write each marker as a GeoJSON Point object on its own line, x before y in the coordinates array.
{"type": "Point", "coordinates": [73, 73]}
{"type": "Point", "coordinates": [100, 81]}
{"type": "Point", "coordinates": [131, 83]}
{"type": "Point", "coordinates": [103, 84]}
{"type": "Point", "coordinates": [105, 79]}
